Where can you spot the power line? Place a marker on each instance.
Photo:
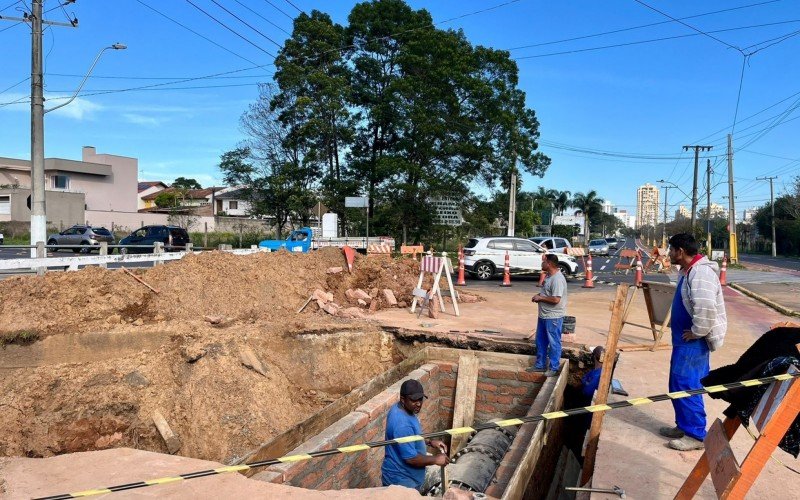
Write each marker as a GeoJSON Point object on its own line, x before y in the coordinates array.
{"type": "Point", "coordinates": [262, 17]}
{"type": "Point", "coordinates": [10, 5]}
{"type": "Point", "coordinates": [279, 10]}
{"type": "Point", "coordinates": [640, 2]}
{"type": "Point", "coordinates": [631, 28]}
{"type": "Point", "coordinates": [15, 85]}
{"type": "Point", "coordinates": [247, 24]}
{"type": "Point", "coordinates": [778, 40]}
{"type": "Point", "coordinates": [196, 33]}
{"type": "Point", "coordinates": [230, 29]}
{"type": "Point", "coordinates": [295, 6]}
{"type": "Point", "coordinates": [651, 40]}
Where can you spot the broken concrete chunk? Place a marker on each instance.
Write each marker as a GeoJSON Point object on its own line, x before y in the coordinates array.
{"type": "Point", "coordinates": [136, 379]}
{"type": "Point", "coordinates": [361, 294]}
{"type": "Point", "coordinates": [331, 308]}
{"type": "Point", "coordinates": [214, 320]}
{"type": "Point", "coordinates": [467, 298]}
{"type": "Point", "coordinates": [402, 304]}
{"type": "Point", "coordinates": [373, 293]}
{"type": "Point", "coordinates": [389, 296]}
{"type": "Point", "coordinates": [433, 312]}
{"type": "Point", "coordinates": [250, 360]}
{"type": "Point", "coordinates": [362, 302]}
{"type": "Point", "coordinates": [192, 353]}
{"type": "Point", "coordinates": [170, 438]}
{"type": "Point", "coordinates": [334, 270]}
{"type": "Point", "coordinates": [350, 312]}
{"type": "Point", "coordinates": [138, 322]}
{"type": "Point", "coordinates": [322, 295]}
{"type": "Point", "coordinates": [374, 305]}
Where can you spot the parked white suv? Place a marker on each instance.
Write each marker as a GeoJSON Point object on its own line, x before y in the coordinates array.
{"type": "Point", "coordinates": [553, 244]}
{"type": "Point", "coordinates": [485, 257]}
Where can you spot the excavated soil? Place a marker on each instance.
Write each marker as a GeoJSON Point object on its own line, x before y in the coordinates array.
{"type": "Point", "coordinates": [210, 309]}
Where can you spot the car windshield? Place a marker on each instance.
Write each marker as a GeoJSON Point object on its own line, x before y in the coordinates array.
{"type": "Point", "coordinates": [597, 242]}
{"type": "Point", "coordinates": [611, 240]}
{"type": "Point", "coordinates": [101, 230]}
{"type": "Point", "coordinates": [472, 243]}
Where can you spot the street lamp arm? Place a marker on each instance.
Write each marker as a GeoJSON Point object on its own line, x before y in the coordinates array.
{"type": "Point", "coordinates": [673, 185]}
{"type": "Point", "coordinates": [116, 46]}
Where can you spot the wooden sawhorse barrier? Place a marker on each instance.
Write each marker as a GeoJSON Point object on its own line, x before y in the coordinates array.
{"type": "Point", "coordinates": [773, 416]}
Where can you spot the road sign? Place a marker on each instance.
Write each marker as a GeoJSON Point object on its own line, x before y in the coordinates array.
{"type": "Point", "coordinates": [356, 202]}
{"type": "Point", "coordinates": [448, 211]}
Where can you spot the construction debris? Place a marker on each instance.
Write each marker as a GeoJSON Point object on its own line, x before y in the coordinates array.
{"type": "Point", "coordinates": [170, 438]}
{"type": "Point", "coordinates": [250, 360]}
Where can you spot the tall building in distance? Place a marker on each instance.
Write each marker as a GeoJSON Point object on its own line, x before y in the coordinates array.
{"type": "Point", "coordinates": [608, 207]}
{"type": "Point", "coordinates": [647, 205]}
{"type": "Point", "coordinates": [683, 213]}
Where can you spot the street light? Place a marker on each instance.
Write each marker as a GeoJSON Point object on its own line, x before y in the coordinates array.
{"type": "Point", "coordinates": [38, 209]}
{"type": "Point", "coordinates": [666, 194]}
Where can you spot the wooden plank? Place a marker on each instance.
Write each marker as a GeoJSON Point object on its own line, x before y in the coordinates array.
{"type": "Point", "coordinates": [170, 438]}
{"type": "Point", "coordinates": [696, 477]}
{"type": "Point", "coordinates": [486, 359]}
{"type": "Point", "coordinates": [464, 409]}
{"type": "Point", "coordinates": [522, 475]}
{"type": "Point", "coordinates": [771, 435]}
{"type": "Point", "coordinates": [313, 425]}
{"type": "Point", "coordinates": [725, 471]}
{"type": "Point", "coordinates": [601, 397]}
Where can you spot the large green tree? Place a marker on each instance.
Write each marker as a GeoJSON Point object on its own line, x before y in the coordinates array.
{"type": "Point", "coordinates": [590, 205]}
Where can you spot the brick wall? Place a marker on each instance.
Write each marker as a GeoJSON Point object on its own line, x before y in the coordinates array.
{"type": "Point", "coordinates": [500, 393]}
{"type": "Point", "coordinates": [366, 423]}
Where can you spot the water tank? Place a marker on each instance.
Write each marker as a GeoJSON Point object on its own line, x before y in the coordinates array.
{"type": "Point", "coordinates": [330, 225]}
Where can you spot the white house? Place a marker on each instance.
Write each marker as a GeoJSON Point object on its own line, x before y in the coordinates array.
{"type": "Point", "coordinates": [231, 202]}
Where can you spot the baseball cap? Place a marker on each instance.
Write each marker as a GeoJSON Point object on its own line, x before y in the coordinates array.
{"type": "Point", "coordinates": [412, 390]}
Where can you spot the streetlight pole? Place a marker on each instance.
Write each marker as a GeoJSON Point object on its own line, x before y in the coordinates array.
{"type": "Point", "coordinates": [772, 204]}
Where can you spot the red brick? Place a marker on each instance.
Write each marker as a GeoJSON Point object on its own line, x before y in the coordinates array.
{"type": "Point", "coordinates": [525, 401]}
{"type": "Point", "coordinates": [448, 382]}
{"type": "Point", "coordinates": [432, 369]}
{"type": "Point", "coordinates": [445, 367]}
{"type": "Point", "coordinates": [497, 398]}
{"type": "Point", "coordinates": [515, 390]}
{"type": "Point", "coordinates": [500, 374]}
{"type": "Point", "coordinates": [530, 377]}
{"type": "Point", "coordinates": [327, 484]}
{"type": "Point", "coordinates": [268, 476]}
{"type": "Point", "coordinates": [379, 404]}
{"type": "Point", "coordinates": [447, 403]}
{"type": "Point", "coordinates": [482, 386]}
{"type": "Point", "coordinates": [485, 408]}
{"type": "Point", "coordinates": [446, 393]}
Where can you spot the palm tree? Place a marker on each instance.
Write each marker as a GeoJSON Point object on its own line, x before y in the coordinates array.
{"type": "Point", "coordinates": [561, 201]}
{"type": "Point", "coordinates": [589, 205]}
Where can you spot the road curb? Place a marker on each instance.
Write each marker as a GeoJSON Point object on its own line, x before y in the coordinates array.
{"type": "Point", "coordinates": [771, 303]}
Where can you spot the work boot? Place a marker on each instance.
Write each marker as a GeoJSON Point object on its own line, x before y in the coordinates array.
{"type": "Point", "coordinates": [534, 369]}
{"type": "Point", "coordinates": [671, 432]}
{"type": "Point", "coordinates": [550, 373]}
{"type": "Point", "coordinates": [686, 443]}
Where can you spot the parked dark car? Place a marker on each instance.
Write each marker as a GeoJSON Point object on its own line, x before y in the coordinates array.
{"type": "Point", "coordinates": [173, 238]}
{"type": "Point", "coordinates": [89, 237]}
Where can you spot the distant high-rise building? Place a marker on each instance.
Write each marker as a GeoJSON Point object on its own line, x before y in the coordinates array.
{"type": "Point", "coordinates": [682, 213]}
{"type": "Point", "coordinates": [717, 211]}
{"type": "Point", "coordinates": [748, 215]}
{"type": "Point", "coordinates": [608, 207]}
{"type": "Point", "coordinates": [647, 205]}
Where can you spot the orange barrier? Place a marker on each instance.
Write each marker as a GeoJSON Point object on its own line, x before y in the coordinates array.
{"type": "Point", "coordinates": [350, 255]}
{"type": "Point", "coordinates": [412, 250]}
{"type": "Point", "coordinates": [639, 273]}
{"type": "Point", "coordinates": [461, 281]}
{"type": "Point", "coordinates": [631, 255]}
{"type": "Point", "coordinates": [379, 249]}
{"type": "Point", "coordinates": [589, 277]}
{"type": "Point", "coordinates": [507, 272]}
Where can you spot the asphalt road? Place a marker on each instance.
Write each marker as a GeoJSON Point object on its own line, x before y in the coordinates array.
{"type": "Point", "coordinates": [768, 260]}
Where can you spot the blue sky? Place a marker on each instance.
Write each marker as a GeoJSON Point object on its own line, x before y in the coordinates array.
{"type": "Point", "coordinates": [644, 100]}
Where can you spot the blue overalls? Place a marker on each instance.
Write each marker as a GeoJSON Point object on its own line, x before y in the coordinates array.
{"type": "Point", "coordinates": [689, 363]}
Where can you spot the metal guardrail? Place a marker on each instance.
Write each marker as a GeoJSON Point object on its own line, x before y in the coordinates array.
{"type": "Point", "coordinates": [41, 262]}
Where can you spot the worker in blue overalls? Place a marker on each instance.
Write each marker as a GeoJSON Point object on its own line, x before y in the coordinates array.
{"type": "Point", "coordinates": [699, 323]}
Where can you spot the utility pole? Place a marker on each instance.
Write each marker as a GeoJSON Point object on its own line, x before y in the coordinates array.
{"type": "Point", "coordinates": [664, 228]}
{"type": "Point", "coordinates": [38, 211]}
{"type": "Point", "coordinates": [772, 204]}
{"type": "Point", "coordinates": [709, 246]}
{"type": "Point", "coordinates": [732, 243]}
{"type": "Point", "coordinates": [512, 198]}
{"type": "Point", "coordinates": [697, 150]}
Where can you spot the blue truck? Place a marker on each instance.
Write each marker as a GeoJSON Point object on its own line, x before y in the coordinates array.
{"type": "Point", "coordinates": [303, 240]}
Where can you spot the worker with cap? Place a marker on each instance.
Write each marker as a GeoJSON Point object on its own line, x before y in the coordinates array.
{"type": "Point", "coordinates": [404, 464]}
{"type": "Point", "coordinates": [591, 380]}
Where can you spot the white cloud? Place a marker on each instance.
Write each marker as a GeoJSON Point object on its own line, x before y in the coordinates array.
{"type": "Point", "coordinates": [80, 109]}
{"type": "Point", "coordinates": [138, 119]}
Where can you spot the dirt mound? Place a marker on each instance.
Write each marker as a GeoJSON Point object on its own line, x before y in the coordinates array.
{"type": "Point", "coordinates": [261, 286]}
{"type": "Point", "coordinates": [219, 408]}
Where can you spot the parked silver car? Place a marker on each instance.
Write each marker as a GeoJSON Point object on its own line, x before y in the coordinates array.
{"type": "Point", "coordinates": [86, 236]}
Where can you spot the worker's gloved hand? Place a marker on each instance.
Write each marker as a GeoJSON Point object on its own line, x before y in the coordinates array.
{"type": "Point", "coordinates": [441, 459]}
{"type": "Point", "coordinates": [439, 445]}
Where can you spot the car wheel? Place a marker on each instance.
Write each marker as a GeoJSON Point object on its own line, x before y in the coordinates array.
{"type": "Point", "coordinates": [484, 270]}
{"type": "Point", "coordinates": [85, 249]}
{"type": "Point", "coordinates": [565, 270]}
{"type": "Point", "coordinates": [53, 243]}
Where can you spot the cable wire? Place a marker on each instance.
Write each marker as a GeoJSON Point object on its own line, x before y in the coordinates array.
{"type": "Point", "coordinates": [230, 29]}
{"type": "Point", "coordinates": [262, 17]}
{"type": "Point", "coordinates": [246, 24]}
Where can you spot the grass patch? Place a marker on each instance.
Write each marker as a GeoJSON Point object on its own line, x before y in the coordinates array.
{"type": "Point", "coordinates": [24, 337]}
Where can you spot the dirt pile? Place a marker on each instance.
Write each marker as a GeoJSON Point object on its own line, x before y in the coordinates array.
{"type": "Point", "coordinates": [219, 408]}
{"type": "Point", "coordinates": [262, 286]}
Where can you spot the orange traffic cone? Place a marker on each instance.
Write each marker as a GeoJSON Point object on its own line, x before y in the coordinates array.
{"type": "Point", "coordinates": [589, 278]}
{"type": "Point", "coordinates": [506, 272]}
{"type": "Point", "coordinates": [350, 256]}
{"type": "Point", "coordinates": [723, 274]}
{"type": "Point", "coordinates": [542, 274]}
{"type": "Point", "coordinates": [461, 281]}
{"type": "Point", "coordinates": [639, 275]}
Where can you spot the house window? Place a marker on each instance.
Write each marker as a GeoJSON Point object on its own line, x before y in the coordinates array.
{"type": "Point", "coordinates": [60, 182]}
{"type": "Point", "coordinates": [233, 205]}
{"type": "Point", "coordinates": [5, 205]}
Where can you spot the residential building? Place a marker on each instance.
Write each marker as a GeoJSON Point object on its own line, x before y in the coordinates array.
{"type": "Point", "coordinates": [63, 208]}
{"type": "Point", "coordinates": [717, 212]}
{"type": "Point", "coordinates": [103, 181]}
{"type": "Point", "coordinates": [683, 213]}
{"type": "Point", "coordinates": [147, 188]}
{"type": "Point", "coordinates": [608, 207]}
{"type": "Point", "coordinates": [647, 205]}
{"type": "Point", "coordinates": [197, 199]}
{"type": "Point", "coordinates": [229, 201]}
{"type": "Point", "coordinates": [749, 213]}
